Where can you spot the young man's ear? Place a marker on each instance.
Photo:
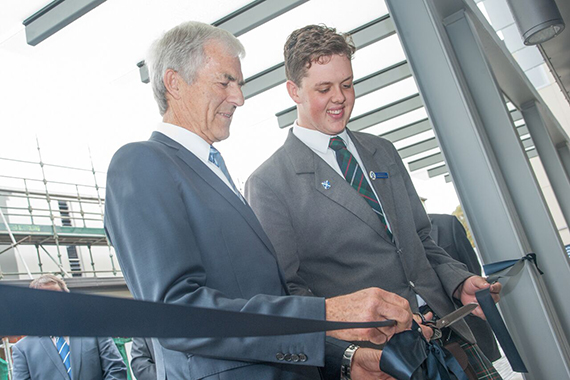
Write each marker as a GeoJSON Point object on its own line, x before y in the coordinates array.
{"type": "Point", "coordinates": [293, 91]}
{"type": "Point", "coordinates": [172, 83]}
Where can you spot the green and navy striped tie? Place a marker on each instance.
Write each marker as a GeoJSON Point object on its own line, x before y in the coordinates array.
{"type": "Point", "coordinates": [354, 175]}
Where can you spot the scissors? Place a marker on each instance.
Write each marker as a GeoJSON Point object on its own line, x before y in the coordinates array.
{"type": "Point", "coordinates": [449, 319]}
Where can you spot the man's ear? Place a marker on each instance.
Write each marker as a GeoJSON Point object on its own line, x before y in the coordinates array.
{"type": "Point", "coordinates": [172, 83]}
{"type": "Point", "coordinates": [293, 91]}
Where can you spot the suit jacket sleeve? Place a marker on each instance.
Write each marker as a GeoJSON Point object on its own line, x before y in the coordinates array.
{"type": "Point", "coordinates": [112, 364]}
{"type": "Point", "coordinates": [20, 369]}
{"type": "Point", "coordinates": [148, 223]}
{"type": "Point", "coordinates": [277, 223]}
{"type": "Point", "coordinates": [142, 361]}
{"type": "Point", "coordinates": [450, 271]}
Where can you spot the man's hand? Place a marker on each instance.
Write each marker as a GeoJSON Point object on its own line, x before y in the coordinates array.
{"type": "Point", "coordinates": [367, 305]}
{"type": "Point", "coordinates": [366, 365]}
{"type": "Point", "coordinates": [426, 330]}
{"type": "Point", "coordinates": [466, 292]}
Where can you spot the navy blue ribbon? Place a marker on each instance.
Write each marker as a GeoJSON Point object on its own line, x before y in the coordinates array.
{"type": "Point", "coordinates": [409, 356]}
{"type": "Point", "coordinates": [48, 313]}
{"type": "Point", "coordinates": [500, 329]}
{"type": "Point", "coordinates": [496, 271]}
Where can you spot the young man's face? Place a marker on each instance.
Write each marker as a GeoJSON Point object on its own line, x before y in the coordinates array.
{"type": "Point", "coordinates": [325, 97]}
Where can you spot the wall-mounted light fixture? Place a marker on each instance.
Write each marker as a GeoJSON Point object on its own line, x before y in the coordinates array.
{"type": "Point", "coordinates": [537, 20]}
{"type": "Point", "coordinates": [143, 70]}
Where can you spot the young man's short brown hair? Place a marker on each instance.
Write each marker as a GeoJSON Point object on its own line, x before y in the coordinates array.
{"type": "Point", "coordinates": [313, 43]}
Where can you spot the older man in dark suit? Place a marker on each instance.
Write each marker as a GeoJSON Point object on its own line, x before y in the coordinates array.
{"type": "Point", "coordinates": [340, 207]}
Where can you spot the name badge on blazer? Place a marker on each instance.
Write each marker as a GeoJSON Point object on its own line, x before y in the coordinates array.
{"type": "Point", "coordinates": [374, 175]}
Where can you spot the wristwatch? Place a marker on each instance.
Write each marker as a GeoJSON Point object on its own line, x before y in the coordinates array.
{"type": "Point", "coordinates": [347, 362]}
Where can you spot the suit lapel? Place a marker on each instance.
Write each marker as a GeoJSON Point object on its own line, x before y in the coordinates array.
{"type": "Point", "coordinates": [376, 160]}
{"type": "Point", "coordinates": [217, 185]}
{"type": "Point", "coordinates": [51, 352]}
{"type": "Point", "coordinates": [76, 349]}
{"type": "Point", "coordinates": [305, 161]}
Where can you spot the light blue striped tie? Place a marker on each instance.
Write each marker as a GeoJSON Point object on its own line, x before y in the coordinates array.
{"type": "Point", "coordinates": [63, 350]}
{"type": "Point", "coordinates": [217, 159]}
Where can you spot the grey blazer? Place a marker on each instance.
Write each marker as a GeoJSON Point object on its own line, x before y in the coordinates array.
{"type": "Point", "coordinates": [183, 237]}
{"type": "Point", "coordinates": [36, 358]}
{"type": "Point", "coordinates": [330, 242]}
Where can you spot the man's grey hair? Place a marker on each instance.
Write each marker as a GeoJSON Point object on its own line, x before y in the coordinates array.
{"type": "Point", "coordinates": [182, 50]}
{"type": "Point", "coordinates": [48, 279]}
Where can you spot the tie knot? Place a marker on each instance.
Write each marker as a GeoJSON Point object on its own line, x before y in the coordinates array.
{"type": "Point", "coordinates": [336, 144]}
{"type": "Point", "coordinates": [214, 156]}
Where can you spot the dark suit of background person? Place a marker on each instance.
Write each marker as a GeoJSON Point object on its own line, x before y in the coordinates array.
{"type": "Point", "coordinates": [329, 241]}
{"type": "Point", "coordinates": [448, 232]}
{"type": "Point", "coordinates": [142, 359]}
{"type": "Point", "coordinates": [183, 236]}
{"type": "Point", "coordinates": [36, 358]}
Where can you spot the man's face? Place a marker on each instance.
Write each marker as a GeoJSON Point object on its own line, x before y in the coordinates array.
{"type": "Point", "coordinates": [326, 96]}
{"type": "Point", "coordinates": [209, 102]}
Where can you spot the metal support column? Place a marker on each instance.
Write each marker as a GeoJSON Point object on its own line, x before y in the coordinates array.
{"type": "Point", "coordinates": [548, 156]}
{"type": "Point", "coordinates": [483, 187]}
{"type": "Point", "coordinates": [522, 185]}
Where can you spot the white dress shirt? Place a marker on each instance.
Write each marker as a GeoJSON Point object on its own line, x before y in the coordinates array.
{"type": "Point", "coordinates": [196, 145]}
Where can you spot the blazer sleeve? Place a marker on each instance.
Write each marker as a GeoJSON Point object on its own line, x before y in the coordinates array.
{"type": "Point", "coordinates": [276, 221]}
{"type": "Point", "coordinates": [20, 369]}
{"type": "Point", "coordinates": [147, 222]}
{"type": "Point", "coordinates": [112, 364]}
{"type": "Point", "coordinates": [142, 359]}
{"type": "Point", "coordinates": [450, 271]}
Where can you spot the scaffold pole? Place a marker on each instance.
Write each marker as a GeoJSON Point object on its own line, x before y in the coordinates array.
{"type": "Point", "coordinates": [15, 244]}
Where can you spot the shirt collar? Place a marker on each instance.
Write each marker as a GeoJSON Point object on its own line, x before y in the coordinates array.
{"type": "Point", "coordinates": [189, 140]}
{"type": "Point", "coordinates": [317, 140]}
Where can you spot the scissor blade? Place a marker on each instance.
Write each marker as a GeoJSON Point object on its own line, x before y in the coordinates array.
{"type": "Point", "coordinates": [456, 315]}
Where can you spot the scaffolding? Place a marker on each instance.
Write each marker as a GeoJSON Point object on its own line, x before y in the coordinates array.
{"type": "Point", "coordinates": [62, 214]}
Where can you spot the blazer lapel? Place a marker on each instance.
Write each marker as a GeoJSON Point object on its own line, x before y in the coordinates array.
{"type": "Point", "coordinates": [305, 161]}
{"type": "Point", "coordinates": [51, 352]}
{"type": "Point", "coordinates": [76, 350]}
{"type": "Point", "coordinates": [377, 160]}
{"type": "Point", "coordinates": [217, 185]}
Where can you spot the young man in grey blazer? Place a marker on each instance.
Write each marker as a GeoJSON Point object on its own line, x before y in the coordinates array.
{"type": "Point", "coordinates": [334, 235]}
{"type": "Point", "coordinates": [39, 358]}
